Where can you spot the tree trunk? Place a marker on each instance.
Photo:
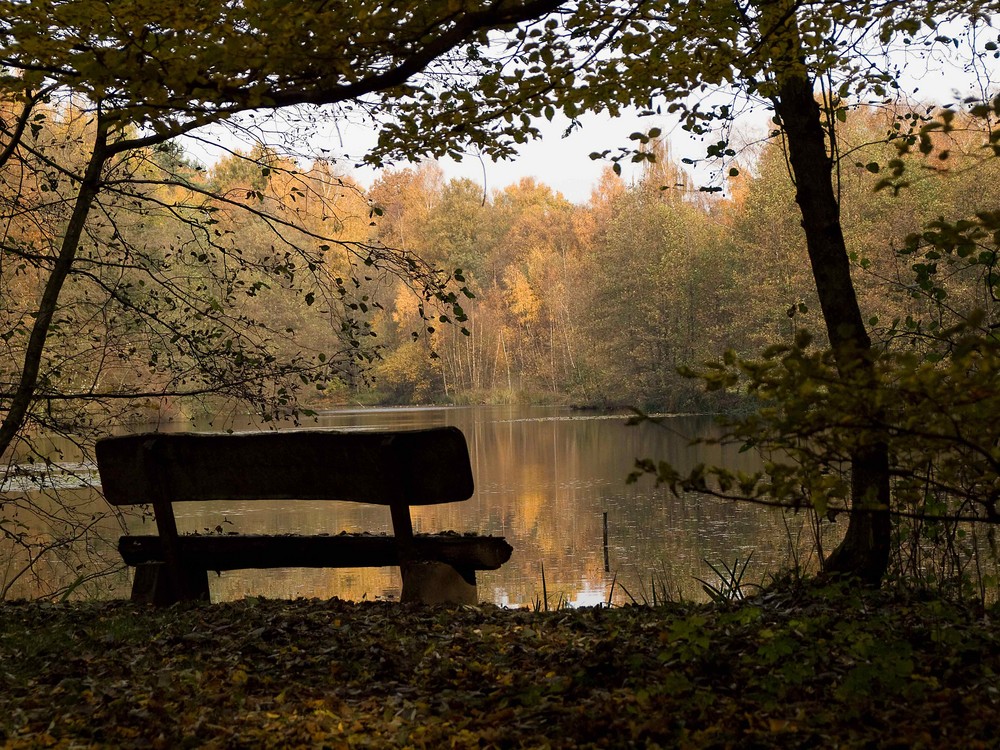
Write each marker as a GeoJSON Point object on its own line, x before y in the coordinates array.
{"type": "Point", "coordinates": [23, 396]}
{"type": "Point", "coordinates": [864, 553]}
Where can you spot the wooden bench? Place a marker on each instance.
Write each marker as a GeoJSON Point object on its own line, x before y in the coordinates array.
{"type": "Point", "coordinates": [399, 469]}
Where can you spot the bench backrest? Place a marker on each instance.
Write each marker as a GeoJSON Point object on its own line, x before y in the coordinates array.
{"type": "Point", "coordinates": [412, 467]}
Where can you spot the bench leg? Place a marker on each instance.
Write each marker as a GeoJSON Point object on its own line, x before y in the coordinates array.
{"type": "Point", "coordinates": [438, 583]}
{"type": "Point", "coordinates": [153, 585]}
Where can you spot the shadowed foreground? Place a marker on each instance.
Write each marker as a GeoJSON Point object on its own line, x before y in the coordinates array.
{"type": "Point", "coordinates": [787, 670]}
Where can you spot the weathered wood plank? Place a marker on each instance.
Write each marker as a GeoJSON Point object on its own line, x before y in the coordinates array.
{"type": "Point", "coordinates": [411, 467]}
{"type": "Point", "coordinates": [241, 551]}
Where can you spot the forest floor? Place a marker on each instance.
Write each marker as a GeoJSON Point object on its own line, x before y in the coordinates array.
{"type": "Point", "coordinates": [804, 667]}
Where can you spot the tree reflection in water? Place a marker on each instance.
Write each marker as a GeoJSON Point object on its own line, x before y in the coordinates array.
{"type": "Point", "coordinates": [544, 478]}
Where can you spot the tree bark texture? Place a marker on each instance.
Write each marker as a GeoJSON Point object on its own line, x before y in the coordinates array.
{"type": "Point", "coordinates": [864, 552]}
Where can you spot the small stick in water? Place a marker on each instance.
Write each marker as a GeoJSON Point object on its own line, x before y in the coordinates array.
{"type": "Point", "coordinates": [607, 563]}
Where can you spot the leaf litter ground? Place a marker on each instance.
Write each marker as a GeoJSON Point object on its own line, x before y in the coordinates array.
{"type": "Point", "coordinates": [795, 669]}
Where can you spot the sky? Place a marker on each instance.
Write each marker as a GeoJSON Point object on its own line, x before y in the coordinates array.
{"type": "Point", "coordinates": [564, 163]}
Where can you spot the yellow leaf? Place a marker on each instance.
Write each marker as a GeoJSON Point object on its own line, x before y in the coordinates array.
{"type": "Point", "coordinates": [782, 725]}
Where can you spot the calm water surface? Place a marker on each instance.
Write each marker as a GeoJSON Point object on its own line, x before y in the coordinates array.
{"type": "Point", "coordinates": [545, 478]}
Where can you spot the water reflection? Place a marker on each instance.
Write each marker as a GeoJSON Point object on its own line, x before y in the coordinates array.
{"type": "Point", "coordinates": [544, 479]}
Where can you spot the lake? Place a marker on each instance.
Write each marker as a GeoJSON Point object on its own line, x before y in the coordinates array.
{"type": "Point", "coordinates": [545, 478]}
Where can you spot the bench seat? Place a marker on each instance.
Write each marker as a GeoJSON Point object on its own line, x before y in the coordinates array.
{"type": "Point", "coordinates": [249, 551]}
{"type": "Point", "coordinates": [397, 469]}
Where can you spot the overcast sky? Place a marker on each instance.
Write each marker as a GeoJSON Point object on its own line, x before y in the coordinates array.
{"type": "Point", "coordinates": [564, 163]}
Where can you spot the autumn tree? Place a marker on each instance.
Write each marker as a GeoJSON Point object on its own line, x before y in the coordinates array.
{"type": "Point", "coordinates": [92, 93]}
{"type": "Point", "coordinates": [705, 62]}
{"type": "Point", "coordinates": [144, 73]}
{"type": "Point", "coordinates": [656, 272]}
{"type": "Point", "coordinates": [799, 60]}
{"type": "Point", "coordinates": [458, 232]}
{"type": "Point", "coordinates": [517, 252]}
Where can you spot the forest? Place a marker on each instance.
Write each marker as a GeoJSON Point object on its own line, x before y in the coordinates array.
{"type": "Point", "coordinates": [599, 304]}
{"type": "Point", "coordinates": [604, 303]}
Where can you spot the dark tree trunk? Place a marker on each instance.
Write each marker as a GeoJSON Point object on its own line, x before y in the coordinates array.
{"type": "Point", "coordinates": [864, 553]}
{"type": "Point", "coordinates": [23, 396]}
